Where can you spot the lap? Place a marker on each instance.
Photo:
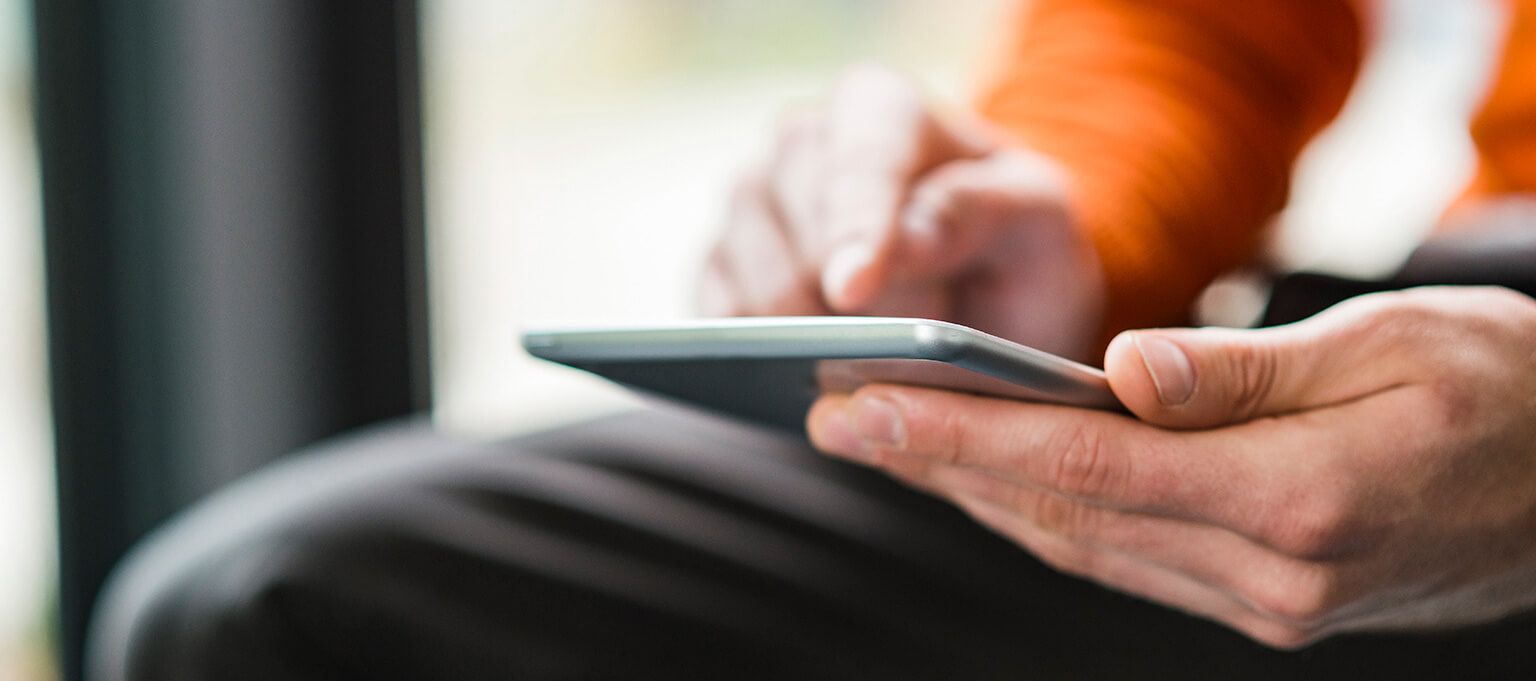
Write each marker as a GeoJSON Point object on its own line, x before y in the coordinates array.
{"type": "Point", "coordinates": [659, 543]}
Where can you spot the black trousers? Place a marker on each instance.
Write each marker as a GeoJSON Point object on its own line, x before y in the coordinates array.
{"type": "Point", "coordinates": [668, 544]}
{"type": "Point", "coordinates": [658, 544]}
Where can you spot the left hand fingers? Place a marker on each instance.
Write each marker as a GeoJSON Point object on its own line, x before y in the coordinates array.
{"type": "Point", "coordinates": [1276, 586]}
{"type": "Point", "coordinates": [1206, 570]}
{"type": "Point", "coordinates": [1141, 578]}
{"type": "Point", "coordinates": [1100, 458]}
{"type": "Point", "coordinates": [1281, 588]}
{"type": "Point", "coordinates": [1295, 486]}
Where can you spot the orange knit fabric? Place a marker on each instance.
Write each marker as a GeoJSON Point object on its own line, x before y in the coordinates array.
{"type": "Point", "coordinates": [1179, 121]}
{"type": "Point", "coordinates": [1505, 129]}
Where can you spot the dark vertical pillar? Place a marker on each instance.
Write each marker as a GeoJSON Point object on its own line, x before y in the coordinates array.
{"type": "Point", "coordinates": [235, 250]}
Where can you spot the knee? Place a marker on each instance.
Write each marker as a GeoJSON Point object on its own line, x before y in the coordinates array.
{"type": "Point", "coordinates": [216, 593]}
{"type": "Point", "coordinates": [176, 611]}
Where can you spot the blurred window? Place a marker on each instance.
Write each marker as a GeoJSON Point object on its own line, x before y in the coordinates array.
{"type": "Point", "coordinates": [26, 462]}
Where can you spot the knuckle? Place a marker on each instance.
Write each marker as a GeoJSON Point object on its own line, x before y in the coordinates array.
{"type": "Point", "coordinates": [1081, 464]}
{"type": "Point", "coordinates": [1321, 524]}
{"type": "Point", "coordinates": [1501, 313]}
{"type": "Point", "coordinates": [1424, 317]}
{"type": "Point", "coordinates": [1392, 317]}
{"type": "Point", "coordinates": [1254, 369]}
{"type": "Point", "coordinates": [1303, 597]}
{"type": "Point", "coordinates": [1520, 305]}
{"type": "Point", "coordinates": [1417, 304]}
{"type": "Point", "coordinates": [1521, 317]}
{"type": "Point", "coordinates": [1061, 517]}
{"type": "Point", "coordinates": [1453, 299]}
{"type": "Point", "coordinates": [952, 437]}
{"type": "Point", "coordinates": [1454, 402]}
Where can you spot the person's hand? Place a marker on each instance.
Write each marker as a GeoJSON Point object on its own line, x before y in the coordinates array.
{"type": "Point", "coordinates": [1371, 468]}
{"type": "Point", "coordinates": [873, 204]}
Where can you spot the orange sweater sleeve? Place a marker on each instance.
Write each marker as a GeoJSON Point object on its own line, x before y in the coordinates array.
{"type": "Point", "coordinates": [1178, 121]}
{"type": "Point", "coordinates": [1504, 130]}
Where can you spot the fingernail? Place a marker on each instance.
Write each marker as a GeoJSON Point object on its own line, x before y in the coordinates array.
{"type": "Point", "coordinates": [1172, 372]}
{"type": "Point", "coordinates": [845, 264]}
{"type": "Point", "coordinates": [879, 423]}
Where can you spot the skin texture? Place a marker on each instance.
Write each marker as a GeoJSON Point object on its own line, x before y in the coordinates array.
{"type": "Point", "coordinates": [1370, 468]}
{"type": "Point", "coordinates": [871, 204]}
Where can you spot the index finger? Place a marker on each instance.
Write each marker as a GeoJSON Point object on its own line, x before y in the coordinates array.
{"type": "Point", "coordinates": [880, 135]}
{"type": "Point", "coordinates": [1095, 457]}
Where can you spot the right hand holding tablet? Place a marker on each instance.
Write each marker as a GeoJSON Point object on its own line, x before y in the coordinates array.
{"type": "Point", "coordinates": [1371, 468]}
{"type": "Point", "coordinates": [872, 204]}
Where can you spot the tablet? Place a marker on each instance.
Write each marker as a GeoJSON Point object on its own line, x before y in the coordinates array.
{"type": "Point", "coordinates": [770, 369]}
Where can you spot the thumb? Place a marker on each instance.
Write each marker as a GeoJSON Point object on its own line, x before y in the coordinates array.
{"type": "Point", "coordinates": [1202, 378]}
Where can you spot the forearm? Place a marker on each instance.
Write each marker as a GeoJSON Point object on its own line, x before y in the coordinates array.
{"type": "Point", "coordinates": [1179, 122]}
